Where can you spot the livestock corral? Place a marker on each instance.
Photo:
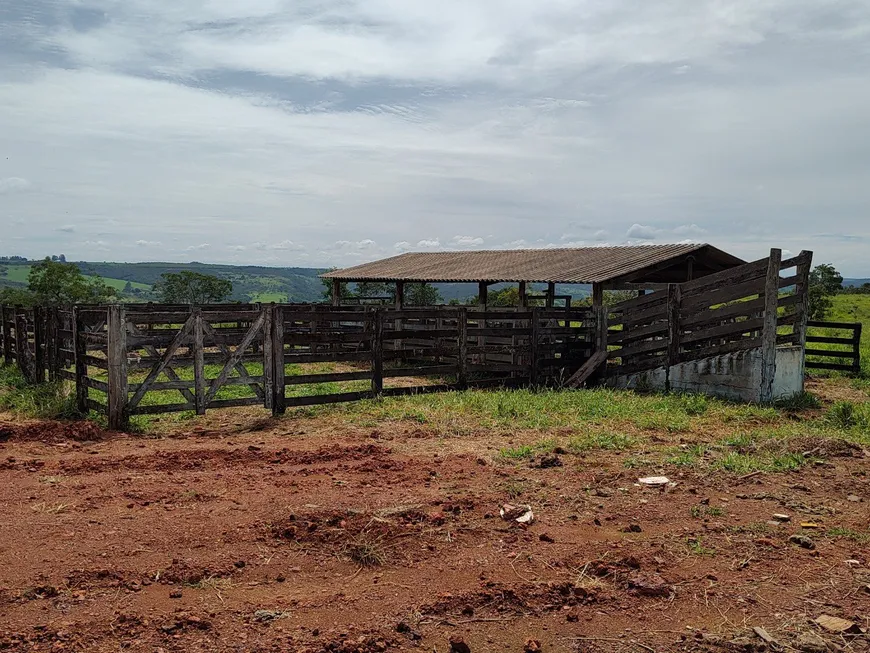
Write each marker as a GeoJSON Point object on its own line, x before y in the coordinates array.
{"type": "Point", "coordinates": [450, 479]}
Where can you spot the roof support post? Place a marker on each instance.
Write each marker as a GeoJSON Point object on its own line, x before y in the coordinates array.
{"type": "Point", "coordinates": [690, 268]}
{"type": "Point", "coordinates": [336, 292]}
{"type": "Point", "coordinates": [400, 294]}
{"type": "Point", "coordinates": [524, 301]}
{"type": "Point", "coordinates": [597, 294]}
{"type": "Point", "coordinates": [482, 292]}
{"type": "Point", "coordinates": [551, 294]}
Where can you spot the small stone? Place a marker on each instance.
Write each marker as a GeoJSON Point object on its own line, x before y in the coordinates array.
{"type": "Point", "coordinates": [175, 594]}
{"type": "Point", "coordinates": [632, 528]}
{"type": "Point", "coordinates": [648, 584]}
{"type": "Point", "coordinates": [809, 642]}
{"type": "Point", "coordinates": [802, 541]}
{"type": "Point", "coordinates": [239, 564]}
{"type": "Point", "coordinates": [458, 645]}
{"type": "Point", "coordinates": [780, 517]}
{"type": "Point", "coordinates": [544, 537]}
{"type": "Point", "coordinates": [854, 498]}
{"type": "Point", "coordinates": [532, 646]}
{"type": "Point", "coordinates": [548, 461]}
{"type": "Point", "coordinates": [654, 481]}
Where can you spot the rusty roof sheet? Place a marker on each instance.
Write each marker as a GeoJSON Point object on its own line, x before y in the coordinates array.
{"type": "Point", "coordinates": [568, 265]}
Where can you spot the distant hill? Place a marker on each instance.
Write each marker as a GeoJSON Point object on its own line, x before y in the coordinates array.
{"type": "Point", "coordinates": [855, 282]}
{"type": "Point", "coordinates": [251, 283]}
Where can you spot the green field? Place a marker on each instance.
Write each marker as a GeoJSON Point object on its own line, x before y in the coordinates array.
{"type": "Point", "coordinates": [849, 308]}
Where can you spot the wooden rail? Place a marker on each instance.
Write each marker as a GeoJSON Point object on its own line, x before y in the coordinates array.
{"type": "Point", "coordinates": [849, 347]}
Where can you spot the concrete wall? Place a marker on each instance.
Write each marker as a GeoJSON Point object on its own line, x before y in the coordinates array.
{"type": "Point", "coordinates": [732, 376]}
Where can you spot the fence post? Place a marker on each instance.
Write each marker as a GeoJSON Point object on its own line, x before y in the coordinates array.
{"type": "Point", "coordinates": [38, 345]}
{"type": "Point", "coordinates": [80, 348]}
{"type": "Point", "coordinates": [279, 393]}
{"type": "Point", "coordinates": [674, 300]}
{"type": "Point", "coordinates": [462, 327]}
{"type": "Point", "coordinates": [377, 353]}
{"type": "Point", "coordinates": [117, 363]}
{"type": "Point", "coordinates": [533, 346]}
{"type": "Point", "coordinates": [268, 356]}
{"type": "Point", "coordinates": [198, 361]}
{"type": "Point", "coordinates": [7, 335]}
{"type": "Point", "coordinates": [856, 362]}
{"type": "Point", "coordinates": [801, 309]}
{"type": "Point", "coordinates": [54, 344]}
{"type": "Point", "coordinates": [768, 333]}
{"type": "Point", "coordinates": [21, 347]}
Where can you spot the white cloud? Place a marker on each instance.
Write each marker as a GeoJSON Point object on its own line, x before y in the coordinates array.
{"type": "Point", "coordinates": [402, 246]}
{"type": "Point", "coordinates": [281, 245]}
{"type": "Point", "coordinates": [600, 235]}
{"type": "Point", "coordinates": [14, 185]}
{"type": "Point", "coordinates": [147, 243]}
{"type": "Point", "coordinates": [429, 243]}
{"type": "Point", "coordinates": [237, 248]}
{"type": "Point", "coordinates": [639, 231]}
{"type": "Point", "coordinates": [466, 241]}
{"type": "Point", "coordinates": [67, 228]}
{"type": "Point", "coordinates": [689, 230]}
{"type": "Point", "coordinates": [201, 246]}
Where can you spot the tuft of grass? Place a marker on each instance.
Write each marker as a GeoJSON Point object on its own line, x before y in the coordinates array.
{"type": "Point", "coordinates": [366, 550]}
{"type": "Point", "coordinates": [701, 511]}
{"type": "Point", "coordinates": [744, 463]}
{"type": "Point", "coordinates": [799, 401]}
{"type": "Point", "coordinates": [846, 415]}
{"type": "Point", "coordinates": [848, 533]}
{"type": "Point", "coordinates": [50, 509]}
{"type": "Point", "coordinates": [694, 404]}
{"type": "Point", "coordinates": [513, 489]}
{"type": "Point", "coordinates": [517, 453]}
{"type": "Point", "coordinates": [696, 547]}
{"type": "Point", "coordinates": [688, 457]}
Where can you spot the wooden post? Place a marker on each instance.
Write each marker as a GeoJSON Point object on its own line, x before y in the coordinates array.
{"type": "Point", "coordinates": [80, 349]}
{"type": "Point", "coordinates": [801, 309]}
{"type": "Point", "coordinates": [482, 293]}
{"type": "Point", "coordinates": [21, 347]}
{"type": "Point", "coordinates": [279, 403]}
{"type": "Point", "coordinates": [198, 361]}
{"type": "Point", "coordinates": [551, 295]}
{"type": "Point", "coordinates": [524, 301]}
{"type": "Point", "coordinates": [38, 344]}
{"type": "Point", "coordinates": [268, 356]}
{"type": "Point", "coordinates": [597, 294]}
{"type": "Point", "coordinates": [336, 292]}
{"type": "Point", "coordinates": [533, 346]}
{"type": "Point", "coordinates": [377, 353]}
{"type": "Point", "coordinates": [462, 326]}
{"type": "Point", "coordinates": [7, 335]}
{"type": "Point", "coordinates": [856, 362]}
{"type": "Point", "coordinates": [52, 350]}
{"type": "Point", "coordinates": [400, 303]}
{"type": "Point", "coordinates": [674, 299]}
{"type": "Point", "coordinates": [768, 333]}
{"type": "Point", "coordinates": [690, 268]}
{"type": "Point", "coordinates": [117, 363]}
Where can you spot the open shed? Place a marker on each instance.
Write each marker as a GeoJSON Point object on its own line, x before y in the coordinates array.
{"type": "Point", "coordinates": [634, 267]}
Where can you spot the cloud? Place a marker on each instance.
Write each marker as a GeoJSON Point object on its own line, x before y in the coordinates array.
{"type": "Point", "coordinates": [689, 230]}
{"type": "Point", "coordinates": [147, 243]}
{"type": "Point", "coordinates": [402, 246]}
{"type": "Point", "coordinates": [282, 245]}
{"type": "Point", "coordinates": [237, 248]}
{"type": "Point", "coordinates": [600, 235]}
{"type": "Point", "coordinates": [639, 231]}
{"type": "Point", "coordinates": [201, 246]}
{"type": "Point", "coordinates": [429, 243]}
{"type": "Point", "coordinates": [466, 241]}
{"type": "Point", "coordinates": [14, 185]}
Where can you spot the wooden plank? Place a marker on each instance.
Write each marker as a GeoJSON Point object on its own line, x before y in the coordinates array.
{"type": "Point", "coordinates": [421, 334]}
{"type": "Point", "coordinates": [331, 377]}
{"type": "Point", "coordinates": [117, 359]}
{"type": "Point", "coordinates": [830, 340]}
{"type": "Point", "coordinates": [851, 326]}
{"type": "Point", "coordinates": [699, 319]}
{"type": "Point", "coordinates": [327, 338]}
{"type": "Point", "coordinates": [342, 397]}
{"type": "Point", "coordinates": [38, 345]}
{"type": "Point", "coordinates": [640, 348]}
{"type": "Point", "coordinates": [786, 282]}
{"type": "Point", "coordinates": [498, 333]}
{"type": "Point", "coordinates": [724, 330]}
{"type": "Point", "coordinates": [829, 366]}
{"type": "Point", "coordinates": [768, 334]}
{"type": "Point", "coordinates": [233, 403]}
{"type": "Point", "coordinates": [239, 367]}
{"type": "Point", "coordinates": [644, 316]}
{"type": "Point", "coordinates": [171, 318]}
{"type": "Point", "coordinates": [328, 357]}
{"type": "Point", "coordinates": [580, 377]}
{"type": "Point", "coordinates": [644, 301]}
{"type": "Point", "coordinates": [639, 333]}
{"type": "Point", "coordinates": [534, 342]}
{"type": "Point", "coordinates": [270, 370]}
{"type": "Point", "coordinates": [292, 316]}
{"type": "Point", "coordinates": [732, 276]}
{"type": "Point", "coordinates": [804, 258]}
{"type": "Point", "coordinates": [91, 404]}
{"type": "Point", "coordinates": [160, 409]}
{"type": "Point", "coordinates": [832, 353]}
{"type": "Point", "coordinates": [642, 365]}
{"type": "Point", "coordinates": [66, 375]}
{"type": "Point", "coordinates": [431, 370]}
{"type": "Point", "coordinates": [722, 295]}
{"type": "Point", "coordinates": [95, 361]}
{"type": "Point", "coordinates": [277, 362]}
{"type": "Point", "coordinates": [674, 338]}
{"type": "Point", "coordinates": [96, 384]}
{"type": "Point", "coordinates": [182, 336]}
{"type": "Point", "coordinates": [199, 380]}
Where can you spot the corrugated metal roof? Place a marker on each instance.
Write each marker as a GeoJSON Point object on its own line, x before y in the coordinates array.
{"type": "Point", "coordinates": [569, 265]}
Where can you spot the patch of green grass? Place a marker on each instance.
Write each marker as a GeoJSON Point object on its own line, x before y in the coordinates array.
{"type": "Point", "coordinates": [848, 533]}
{"type": "Point", "coordinates": [694, 404]}
{"type": "Point", "coordinates": [701, 511]}
{"type": "Point", "coordinates": [741, 463]}
{"type": "Point", "coordinates": [752, 528]}
{"type": "Point", "coordinates": [689, 456]}
{"type": "Point", "coordinates": [603, 440]}
{"type": "Point", "coordinates": [54, 400]}
{"type": "Point", "coordinates": [846, 415]}
{"type": "Point", "coordinates": [517, 453]}
{"type": "Point", "coordinates": [696, 547]}
{"type": "Point", "coordinates": [799, 401]}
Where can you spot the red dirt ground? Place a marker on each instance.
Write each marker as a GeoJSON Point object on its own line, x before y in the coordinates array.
{"type": "Point", "coordinates": [307, 535]}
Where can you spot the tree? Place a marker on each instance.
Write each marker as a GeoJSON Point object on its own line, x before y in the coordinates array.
{"type": "Point", "coordinates": [374, 289]}
{"type": "Point", "coordinates": [422, 294]}
{"type": "Point", "coordinates": [52, 283]}
{"type": "Point", "coordinates": [824, 282]}
{"type": "Point", "coordinates": [188, 287]}
{"type": "Point", "coordinates": [505, 297]}
{"type": "Point", "coordinates": [344, 289]}
{"type": "Point", "coordinates": [128, 288]}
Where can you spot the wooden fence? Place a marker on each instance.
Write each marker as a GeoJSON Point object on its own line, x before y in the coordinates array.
{"type": "Point", "coordinates": [148, 359]}
{"type": "Point", "coordinates": [746, 307]}
{"type": "Point", "coordinates": [845, 356]}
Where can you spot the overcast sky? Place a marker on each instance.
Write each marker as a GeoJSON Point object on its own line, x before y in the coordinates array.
{"type": "Point", "coordinates": [331, 132]}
